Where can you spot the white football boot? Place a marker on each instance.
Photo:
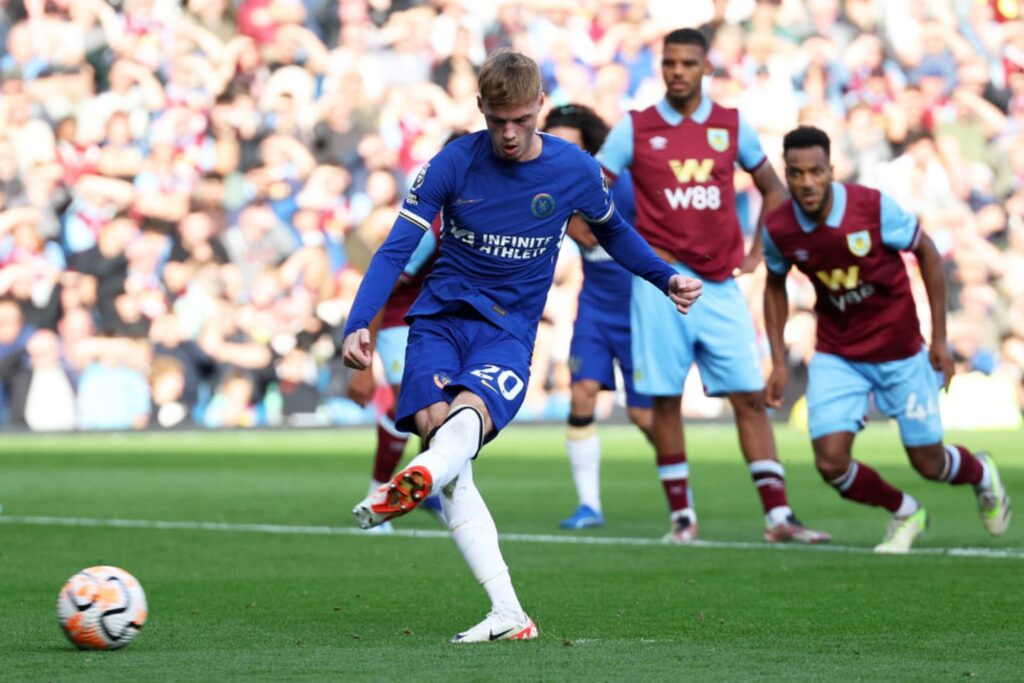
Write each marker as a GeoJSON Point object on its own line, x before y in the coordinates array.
{"type": "Point", "coordinates": [499, 627]}
{"type": "Point", "coordinates": [993, 502]}
{"type": "Point", "coordinates": [902, 533]}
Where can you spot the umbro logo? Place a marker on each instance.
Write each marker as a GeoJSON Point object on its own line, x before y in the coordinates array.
{"type": "Point", "coordinates": [659, 142]}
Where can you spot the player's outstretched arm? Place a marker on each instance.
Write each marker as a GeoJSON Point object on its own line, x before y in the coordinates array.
{"type": "Point", "coordinates": [684, 291]}
{"type": "Point", "coordinates": [930, 262]}
{"type": "Point", "coordinates": [630, 250]}
{"type": "Point", "coordinates": [385, 268]}
{"type": "Point", "coordinates": [776, 311]}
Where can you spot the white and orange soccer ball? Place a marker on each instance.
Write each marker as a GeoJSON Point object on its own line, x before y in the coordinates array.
{"type": "Point", "coordinates": [101, 608]}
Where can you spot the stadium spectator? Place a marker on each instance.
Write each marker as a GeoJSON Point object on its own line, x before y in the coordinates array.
{"type": "Point", "coordinates": [14, 336]}
{"type": "Point", "coordinates": [42, 395]}
{"type": "Point", "coordinates": [113, 392]}
{"type": "Point", "coordinates": [167, 388]}
{"type": "Point", "coordinates": [233, 403]}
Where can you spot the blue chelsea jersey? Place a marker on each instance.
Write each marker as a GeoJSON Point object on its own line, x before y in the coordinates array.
{"type": "Point", "coordinates": [502, 225]}
{"type": "Point", "coordinates": [607, 286]}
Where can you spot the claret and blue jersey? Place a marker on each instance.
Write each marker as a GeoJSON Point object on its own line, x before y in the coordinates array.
{"type": "Point", "coordinates": [865, 309]}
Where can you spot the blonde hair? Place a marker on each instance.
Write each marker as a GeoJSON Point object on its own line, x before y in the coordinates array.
{"type": "Point", "coordinates": [508, 78]}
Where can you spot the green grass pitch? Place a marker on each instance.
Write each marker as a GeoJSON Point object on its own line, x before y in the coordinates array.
{"type": "Point", "coordinates": [304, 597]}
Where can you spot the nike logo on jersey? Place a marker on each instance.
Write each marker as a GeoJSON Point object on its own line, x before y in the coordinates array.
{"type": "Point", "coordinates": [495, 636]}
{"type": "Point", "coordinates": [460, 201]}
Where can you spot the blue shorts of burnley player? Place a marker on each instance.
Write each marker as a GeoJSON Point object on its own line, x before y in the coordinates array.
{"type": "Point", "coordinates": [718, 336]}
{"type": "Point", "coordinates": [391, 344]}
{"type": "Point", "coordinates": [906, 390]}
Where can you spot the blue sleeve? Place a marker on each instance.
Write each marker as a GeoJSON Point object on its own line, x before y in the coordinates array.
{"type": "Point", "coordinates": [616, 153]}
{"type": "Point", "coordinates": [773, 258]}
{"type": "Point", "coordinates": [624, 196]}
{"type": "Point", "coordinates": [426, 248]}
{"type": "Point", "coordinates": [430, 190]}
{"type": "Point", "coordinates": [749, 146]}
{"type": "Point", "coordinates": [593, 199]}
{"type": "Point", "coordinates": [626, 246]}
{"type": "Point", "coordinates": [385, 267]}
{"type": "Point", "coordinates": [899, 227]}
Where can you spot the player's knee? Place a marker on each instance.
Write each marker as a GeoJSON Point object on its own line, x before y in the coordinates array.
{"type": "Point", "coordinates": [831, 464]}
{"type": "Point", "coordinates": [748, 402]}
{"type": "Point", "coordinates": [642, 418]}
{"type": "Point", "coordinates": [580, 428]}
{"type": "Point", "coordinates": [584, 396]}
{"type": "Point", "coordinates": [668, 406]}
{"type": "Point", "coordinates": [928, 461]}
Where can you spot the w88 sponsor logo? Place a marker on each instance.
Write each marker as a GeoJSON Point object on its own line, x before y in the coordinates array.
{"type": "Point", "coordinates": [699, 197]}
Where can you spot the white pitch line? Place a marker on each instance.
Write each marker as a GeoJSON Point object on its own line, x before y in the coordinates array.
{"type": "Point", "coordinates": [558, 539]}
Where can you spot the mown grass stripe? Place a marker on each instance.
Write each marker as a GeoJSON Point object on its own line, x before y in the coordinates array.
{"type": "Point", "coordinates": [558, 539]}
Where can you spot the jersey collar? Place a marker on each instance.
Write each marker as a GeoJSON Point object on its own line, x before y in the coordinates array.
{"type": "Point", "coordinates": [674, 118]}
{"type": "Point", "coordinates": [835, 216]}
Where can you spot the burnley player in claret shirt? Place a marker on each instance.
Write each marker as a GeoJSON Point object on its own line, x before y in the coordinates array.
{"type": "Point", "coordinates": [682, 153]}
{"type": "Point", "coordinates": [848, 240]}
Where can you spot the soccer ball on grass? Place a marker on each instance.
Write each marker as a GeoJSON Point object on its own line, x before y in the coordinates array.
{"type": "Point", "coordinates": [101, 608]}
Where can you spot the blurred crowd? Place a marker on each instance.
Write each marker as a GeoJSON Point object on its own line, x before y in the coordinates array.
{"type": "Point", "coordinates": [190, 191]}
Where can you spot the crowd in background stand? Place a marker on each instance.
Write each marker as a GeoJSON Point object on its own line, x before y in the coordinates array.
{"type": "Point", "coordinates": [189, 192]}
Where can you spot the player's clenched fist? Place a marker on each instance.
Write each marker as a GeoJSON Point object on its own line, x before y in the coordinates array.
{"type": "Point", "coordinates": [355, 350]}
{"type": "Point", "coordinates": [684, 291]}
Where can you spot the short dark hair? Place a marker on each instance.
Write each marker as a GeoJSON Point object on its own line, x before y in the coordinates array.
{"type": "Point", "coordinates": [687, 36]}
{"type": "Point", "coordinates": [807, 136]}
{"type": "Point", "coordinates": [584, 119]}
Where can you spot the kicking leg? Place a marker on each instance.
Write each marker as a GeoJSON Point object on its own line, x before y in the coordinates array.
{"type": "Point", "coordinates": [452, 444]}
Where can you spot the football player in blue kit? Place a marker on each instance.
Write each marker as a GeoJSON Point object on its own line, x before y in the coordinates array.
{"type": "Point", "coordinates": [601, 335]}
{"type": "Point", "coordinates": [505, 196]}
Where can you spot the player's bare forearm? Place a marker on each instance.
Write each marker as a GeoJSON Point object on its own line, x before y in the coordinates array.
{"type": "Point", "coordinates": [773, 192]}
{"type": "Point", "coordinates": [581, 233]}
{"type": "Point", "coordinates": [930, 262]}
{"type": "Point", "coordinates": [776, 312]}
